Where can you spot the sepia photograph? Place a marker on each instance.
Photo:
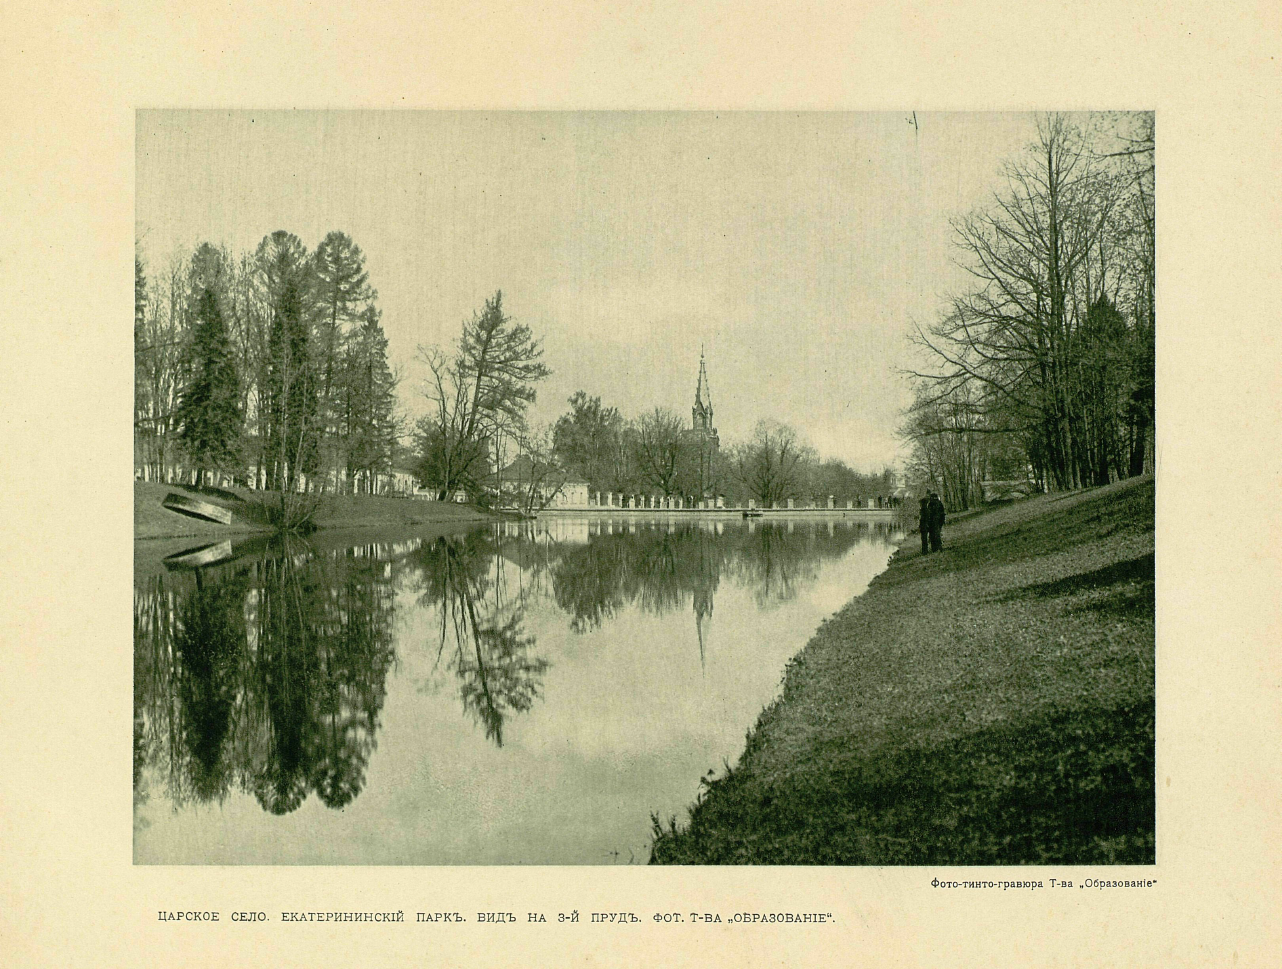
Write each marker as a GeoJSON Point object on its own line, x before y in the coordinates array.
{"type": "Point", "coordinates": [583, 488]}
{"type": "Point", "coordinates": [658, 484]}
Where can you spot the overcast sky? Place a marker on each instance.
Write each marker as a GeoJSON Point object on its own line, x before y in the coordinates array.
{"type": "Point", "coordinates": [797, 248]}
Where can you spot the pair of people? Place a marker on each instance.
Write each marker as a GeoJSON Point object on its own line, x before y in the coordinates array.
{"type": "Point", "coordinates": [931, 523]}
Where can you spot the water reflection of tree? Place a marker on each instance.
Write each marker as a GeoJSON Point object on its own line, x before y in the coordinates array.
{"type": "Point", "coordinates": [266, 675]}
{"type": "Point", "coordinates": [777, 564]}
{"type": "Point", "coordinates": [209, 641]}
{"type": "Point", "coordinates": [482, 637]}
{"type": "Point", "coordinates": [661, 567]}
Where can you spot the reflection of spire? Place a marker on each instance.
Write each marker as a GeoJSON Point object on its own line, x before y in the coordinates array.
{"type": "Point", "coordinates": [702, 611]}
{"type": "Point", "coordinates": [703, 593]}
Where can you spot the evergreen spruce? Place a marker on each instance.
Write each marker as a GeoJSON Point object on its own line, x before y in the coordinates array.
{"type": "Point", "coordinates": [291, 382]}
{"type": "Point", "coordinates": [370, 411]}
{"type": "Point", "coordinates": [209, 417]}
{"type": "Point", "coordinates": [342, 296]}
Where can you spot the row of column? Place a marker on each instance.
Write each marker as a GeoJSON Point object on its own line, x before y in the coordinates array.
{"type": "Point", "coordinates": [609, 499]}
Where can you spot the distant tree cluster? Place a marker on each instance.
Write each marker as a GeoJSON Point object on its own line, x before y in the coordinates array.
{"type": "Point", "coordinates": [268, 366]}
{"type": "Point", "coordinates": [1043, 368]}
{"type": "Point", "coordinates": [776, 463]}
{"type": "Point", "coordinates": [657, 453]}
{"type": "Point", "coordinates": [654, 453]}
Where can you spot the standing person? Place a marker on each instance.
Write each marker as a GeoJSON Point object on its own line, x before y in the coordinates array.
{"type": "Point", "coordinates": [923, 524]}
{"type": "Point", "coordinates": [935, 509]}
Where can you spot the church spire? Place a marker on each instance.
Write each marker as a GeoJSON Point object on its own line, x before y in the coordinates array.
{"type": "Point", "coordinates": [702, 396]}
{"type": "Point", "coordinates": [705, 434]}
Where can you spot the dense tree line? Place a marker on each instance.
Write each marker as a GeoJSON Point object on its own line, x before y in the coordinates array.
{"type": "Point", "coordinates": [658, 453]}
{"type": "Point", "coordinates": [1043, 367]}
{"type": "Point", "coordinates": [269, 367]}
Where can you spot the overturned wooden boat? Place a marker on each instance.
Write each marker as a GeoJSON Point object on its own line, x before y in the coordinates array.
{"type": "Point", "coordinates": [187, 505]}
{"type": "Point", "coordinates": [752, 513]}
{"type": "Point", "coordinates": [201, 555]}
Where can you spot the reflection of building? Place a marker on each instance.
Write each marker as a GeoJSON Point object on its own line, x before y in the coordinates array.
{"type": "Point", "coordinates": [702, 436]}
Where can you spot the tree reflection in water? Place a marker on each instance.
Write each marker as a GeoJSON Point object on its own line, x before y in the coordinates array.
{"type": "Point", "coordinates": [662, 566]}
{"type": "Point", "coordinates": [483, 640]}
{"type": "Point", "coordinates": [266, 674]}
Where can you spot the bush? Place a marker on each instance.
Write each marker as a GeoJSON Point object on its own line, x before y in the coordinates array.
{"type": "Point", "coordinates": [285, 511]}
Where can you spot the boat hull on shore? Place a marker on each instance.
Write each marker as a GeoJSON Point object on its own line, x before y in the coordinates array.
{"type": "Point", "coordinates": [195, 508]}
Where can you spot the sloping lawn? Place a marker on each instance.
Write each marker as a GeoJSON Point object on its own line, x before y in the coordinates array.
{"type": "Point", "coordinates": [992, 704]}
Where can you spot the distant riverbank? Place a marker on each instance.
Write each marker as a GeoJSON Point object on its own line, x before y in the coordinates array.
{"type": "Point", "coordinates": [991, 704]}
{"type": "Point", "coordinates": [153, 521]}
{"type": "Point", "coordinates": [770, 514]}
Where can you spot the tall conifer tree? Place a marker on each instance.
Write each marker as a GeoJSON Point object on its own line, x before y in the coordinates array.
{"type": "Point", "coordinates": [209, 417]}
{"type": "Point", "coordinates": [342, 295]}
{"type": "Point", "coordinates": [369, 405]}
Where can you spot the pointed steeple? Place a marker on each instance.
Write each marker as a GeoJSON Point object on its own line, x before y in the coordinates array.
{"type": "Point", "coordinates": [702, 397]}
{"type": "Point", "coordinates": [703, 431]}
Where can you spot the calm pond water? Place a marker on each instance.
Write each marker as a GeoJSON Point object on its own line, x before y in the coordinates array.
{"type": "Point", "coordinates": [515, 694]}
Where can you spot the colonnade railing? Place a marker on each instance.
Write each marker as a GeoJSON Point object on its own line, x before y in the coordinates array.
{"type": "Point", "coordinates": [638, 502]}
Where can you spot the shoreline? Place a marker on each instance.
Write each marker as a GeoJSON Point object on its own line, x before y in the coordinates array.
{"type": "Point", "coordinates": [152, 522]}
{"type": "Point", "coordinates": [596, 511]}
{"type": "Point", "coordinates": [990, 704]}
{"type": "Point", "coordinates": [150, 553]}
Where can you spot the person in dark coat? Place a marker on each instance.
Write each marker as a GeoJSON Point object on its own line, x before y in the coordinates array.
{"type": "Point", "coordinates": [923, 524]}
{"type": "Point", "coordinates": [935, 512]}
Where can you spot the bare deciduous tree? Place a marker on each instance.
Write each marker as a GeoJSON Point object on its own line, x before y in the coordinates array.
{"type": "Point", "coordinates": [478, 393]}
{"type": "Point", "coordinates": [771, 464]}
{"type": "Point", "coordinates": [661, 449]}
{"type": "Point", "coordinates": [1024, 347]}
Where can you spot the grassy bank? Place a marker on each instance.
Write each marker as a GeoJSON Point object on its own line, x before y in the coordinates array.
{"type": "Point", "coordinates": [992, 704]}
{"type": "Point", "coordinates": [153, 521]}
